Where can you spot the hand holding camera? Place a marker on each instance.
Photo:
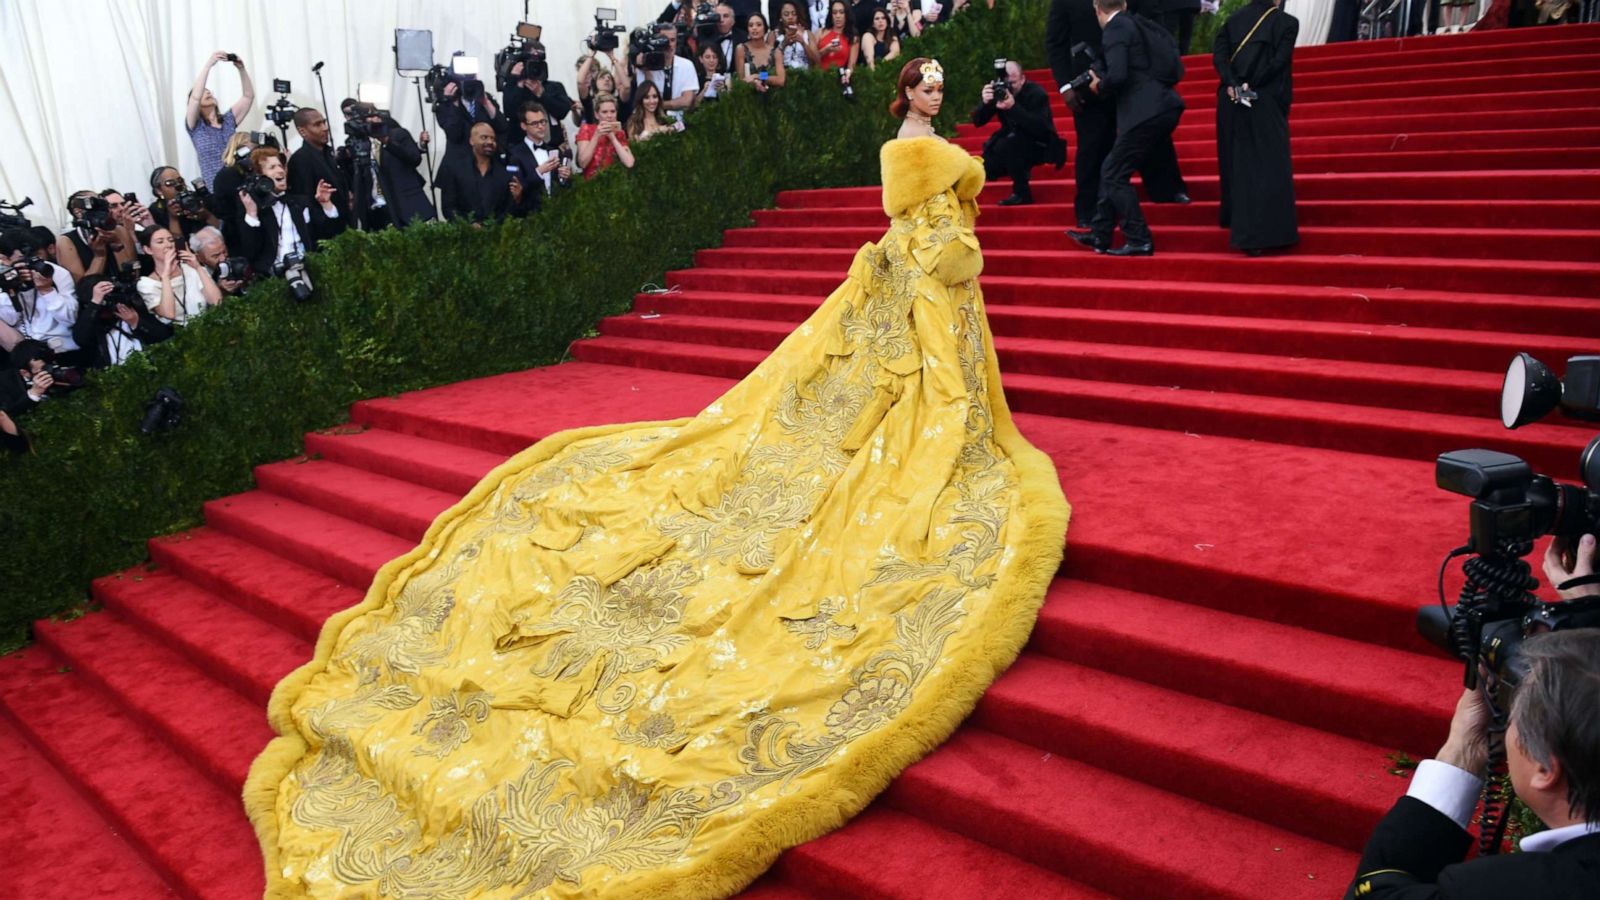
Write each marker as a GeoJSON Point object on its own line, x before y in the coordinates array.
{"type": "Point", "coordinates": [516, 190]}
{"type": "Point", "coordinates": [1565, 560]}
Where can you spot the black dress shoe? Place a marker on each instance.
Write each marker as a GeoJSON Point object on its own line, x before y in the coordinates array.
{"type": "Point", "coordinates": [1017, 200]}
{"type": "Point", "coordinates": [1181, 199]}
{"type": "Point", "coordinates": [1132, 249]}
{"type": "Point", "coordinates": [1083, 225]}
{"type": "Point", "coordinates": [1087, 239]}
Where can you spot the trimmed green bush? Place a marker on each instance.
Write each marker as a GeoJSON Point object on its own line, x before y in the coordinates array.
{"type": "Point", "coordinates": [434, 304]}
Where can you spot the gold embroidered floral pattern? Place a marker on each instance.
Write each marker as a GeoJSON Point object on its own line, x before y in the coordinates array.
{"type": "Point", "coordinates": [449, 722]}
{"type": "Point", "coordinates": [820, 628]}
{"type": "Point", "coordinates": [746, 522]}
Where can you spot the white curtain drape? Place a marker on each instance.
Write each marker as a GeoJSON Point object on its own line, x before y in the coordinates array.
{"type": "Point", "coordinates": [92, 92]}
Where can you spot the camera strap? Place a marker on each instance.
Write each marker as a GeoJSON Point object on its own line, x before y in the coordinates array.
{"type": "Point", "coordinates": [1251, 34]}
{"type": "Point", "coordinates": [1580, 581]}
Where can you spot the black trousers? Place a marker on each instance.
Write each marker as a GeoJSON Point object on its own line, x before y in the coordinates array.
{"type": "Point", "coordinates": [1181, 24]}
{"type": "Point", "coordinates": [1096, 127]}
{"type": "Point", "coordinates": [1012, 155]}
{"type": "Point", "coordinates": [1118, 199]}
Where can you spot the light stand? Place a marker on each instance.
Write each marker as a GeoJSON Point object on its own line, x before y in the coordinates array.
{"type": "Point", "coordinates": [427, 148]}
{"type": "Point", "coordinates": [413, 59]}
{"type": "Point", "coordinates": [323, 90]}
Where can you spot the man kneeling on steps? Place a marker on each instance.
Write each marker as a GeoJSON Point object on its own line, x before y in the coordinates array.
{"type": "Point", "coordinates": [1141, 66]}
{"type": "Point", "coordinates": [1027, 136]}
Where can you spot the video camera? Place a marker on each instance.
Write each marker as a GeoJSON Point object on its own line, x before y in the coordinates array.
{"type": "Point", "coordinates": [526, 49]}
{"type": "Point", "coordinates": [282, 112]}
{"type": "Point", "coordinates": [651, 43]}
{"type": "Point", "coordinates": [707, 21]}
{"type": "Point", "coordinates": [1000, 87]}
{"type": "Point", "coordinates": [604, 39]}
{"type": "Point", "coordinates": [11, 215]}
{"type": "Point", "coordinates": [1512, 506]}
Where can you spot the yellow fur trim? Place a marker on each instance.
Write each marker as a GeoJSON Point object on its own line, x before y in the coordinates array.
{"type": "Point", "coordinates": [915, 169]}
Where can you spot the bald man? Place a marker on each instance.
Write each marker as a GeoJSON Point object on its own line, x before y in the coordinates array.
{"type": "Point", "coordinates": [480, 187]}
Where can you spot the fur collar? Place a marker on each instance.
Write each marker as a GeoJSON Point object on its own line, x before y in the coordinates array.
{"type": "Point", "coordinates": [915, 169]}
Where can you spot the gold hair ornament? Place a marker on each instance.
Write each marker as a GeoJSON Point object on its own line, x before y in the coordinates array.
{"type": "Point", "coordinates": [932, 72]}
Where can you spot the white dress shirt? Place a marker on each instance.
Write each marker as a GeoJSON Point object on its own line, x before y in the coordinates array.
{"type": "Point", "coordinates": [288, 235]}
{"type": "Point", "coordinates": [47, 317]}
{"type": "Point", "coordinates": [684, 78]}
{"type": "Point", "coordinates": [542, 156]}
{"type": "Point", "coordinates": [1454, 793]}
{"type": "Point", "coordinates": [187, 290]}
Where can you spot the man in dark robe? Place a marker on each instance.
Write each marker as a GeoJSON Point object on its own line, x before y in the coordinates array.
{"type": "Point", "coordinates": [1254, 51]}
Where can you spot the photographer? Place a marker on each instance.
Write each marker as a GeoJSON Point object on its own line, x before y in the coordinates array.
{"type": "Point", "coordinates": [315, 161]}
{"type": "Point", "coordinates": [673, 75]}
{"type": "Point", "coordinates": [482, 188]}
{"type": "Point", "coordinates": [30, 379]}
{"type": "Point", "coordinates": [465, 105]}
{"type": "Point", "coordinates": [595, 79]}
{"type": "Point", "coordinates": [603, 143]}
{"type": "Point", "coordinates": [532, 85]}
{"type": "Point", "coordinates": [1027, 135]}
{"type": "Point", "coordinates": [97, 241]}
{"type": "Point", "coordinates": [179, 287]}
{"type": "Point", "coordinates": [380, 160]}
{"type": "Point", "coordinates": [275, 223]}
{"type": "Point", "coordinates": [208, 130]}
{"type": "Point", "coordinates": [729, 36]}
{"type": "Point", "coordinates": [224, 201]}
{"type": "Point", "coordinates": [1254, 54]}
{"type": "Point", "coordinates": [542, 164]}
{"type": "Point", "coordinates": [209, 246]}
{"type": "Point", "coordinates": [177, 208]}
{"type": "Point", "coordinates": [1552, 745]}
{"type": "Point", "coordinates": [1141, 66]}
{"type": "Point", "coordinates": [31, 306]}
{"type": "Point", "coordinates": [39, 243]}
{"type": "Point", "coordinates": [112, 325]}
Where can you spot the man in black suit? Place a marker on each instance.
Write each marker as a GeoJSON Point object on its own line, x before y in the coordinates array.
{"type": "Point", "coordinates": [273, 227]}
{"type": "Point", "coordinates": [1027, 135]}
{"type": "Point", "coordinates": [1178, 16]}
{"type": "Point", "coordinates": [541, 162]}
{"type": "Point", "coordinates": [465, 105]}
{"type": "Point", "coordinates": [387, 187]}
{"type": "Point", "coordinates": [481, 188]}
{"type": "Point", "coordinates": [533, 85]}
{"type": "Point", "coordinates": [1553, 752]}
{"type": "Point", "coordinates": [1141, 65]}
{"type": "Point", "coordinates": [1072, 23]}
{"type": "Point", "coordinates": [315, 160]}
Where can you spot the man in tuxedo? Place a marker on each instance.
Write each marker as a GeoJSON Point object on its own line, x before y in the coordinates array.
{"type": "Point", "coordinates": [539, 159]}
{"type": "Point", "coordinates": [1552, 745]}
{"type": "Point", "coordinates": [1140, 70]}
{"type": "Point", "coordinates": [315, 160]}
{"type": "Point", "coordinates": [387, 187]}
{"type": "Point", "coordinates": [1073, 24]}
{"type": "Point", "coordinates": [481, 187]}
{"type": "Point", "coordinates": [274, 226]}
{"type": "Point", "coordinates": [1027, 135]}
{"type": "Point", "coordinates": [1179, 16]}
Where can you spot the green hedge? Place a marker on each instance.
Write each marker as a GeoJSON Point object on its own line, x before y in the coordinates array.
{"type": "Point", "coordinates": [431, 305]}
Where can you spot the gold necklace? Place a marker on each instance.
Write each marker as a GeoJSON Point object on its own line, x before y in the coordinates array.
{"type": "Point", "coordinates": [920, 119]}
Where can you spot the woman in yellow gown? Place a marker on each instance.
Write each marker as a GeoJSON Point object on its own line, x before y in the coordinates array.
{"type": "Point", "coordinates": [644, 659]}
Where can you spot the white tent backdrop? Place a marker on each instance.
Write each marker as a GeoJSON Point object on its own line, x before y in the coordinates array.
{"type": "Point", "coordinates": [92, 92]}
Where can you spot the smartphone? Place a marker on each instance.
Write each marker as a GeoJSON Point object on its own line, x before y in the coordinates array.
{"type": "Point", "coordinates": [130, 198]}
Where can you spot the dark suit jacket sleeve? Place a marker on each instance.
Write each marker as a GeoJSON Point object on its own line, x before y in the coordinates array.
{"type": "Point", "coordinates": [453, 121]}
{"type": "Point", "coordinates": [1031, 116]}
{"type": "Point", "coordinates": [1412, 844]}
{"type": "Point", "coordinates": [402, 147]}
{"type": "Point", "coordinates": [1119, 34]}
{"type": "Point", "coordinates": [450, 196]}
{"type": "Point", "coordinates": [303, 174]}
{"type": "Point", "coordinates": [257, 242]}
{"type": "Point", "coordinates": [983, 113]}
{"type": "Point", "coordinates": [324, 227]}
{"type": "Point", "coordinates": [1222, 57]}
{"type": "Point", "coordinates": [150, 329]}
{"type": "Point", "coordinates": [1282, 52]}
{"type": "Point", "coordinates": [1058, 41]}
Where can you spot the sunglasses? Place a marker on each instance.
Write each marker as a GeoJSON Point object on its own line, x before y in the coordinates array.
{"type": "Point", "coordinates": [172, 182]}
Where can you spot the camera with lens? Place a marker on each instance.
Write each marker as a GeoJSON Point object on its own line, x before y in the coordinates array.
{"type": "Point", "coordinates": [652, 44]}
{"type": "Point", "coordinates": [433, 83]}
{"type": "Point", "coordinates": [604, 39]}
{"type": "Point", "coordinates": [292, 269]}
{"type": "Point", "coordinates": [65, 379]}
{"type": "Point", "coordinates": [92, 214]}
{"type": "Point", "coordinates": [706, 21]}
{"type": "Point", "coordinates": [192, 203]}
{"type": "Point", "coordinates": [526, 49]}
{"type": "Point", "coordinates": [1000, 87]}
{"type": "Point", "coordinates": [11, 215]}
{"type": "Point", "coordinates": [1084, 55]}
{"type": "Point", "coordinates": [1512, 506]}
{"type": "Point", "coordinates": [260, 188]}
{"type": "Point", "coordinates": [282, 112]}
{"type": "Point", "coordinates": [233, 268]}
{"type": "Point", "coordinates": [844, 84]}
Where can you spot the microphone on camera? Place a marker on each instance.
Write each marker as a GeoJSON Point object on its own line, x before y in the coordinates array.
{"type": "Point", "coordinates": [317, 67]}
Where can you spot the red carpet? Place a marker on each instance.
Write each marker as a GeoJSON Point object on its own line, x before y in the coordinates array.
{"type": "Point", "coordinates": [1228, 656]}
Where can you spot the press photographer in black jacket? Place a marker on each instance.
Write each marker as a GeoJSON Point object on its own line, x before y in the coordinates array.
{"type": "Point", "coordinates": [465, 104]}
{"type": "Point", "coordinates": [1552, 745]}
{"type": "Point", "coordinates": [112, 323]}
{"type": "Point", "coordinates": [533, 85]}
{"type": "Point", "coordinates": [1027, 135]}
{"type": "Point", "coordinates": [278, 224]}
{"type": "Point", "coordinates": [1140, 68]}
{"type": "Point", "coordinates": [382, 173]}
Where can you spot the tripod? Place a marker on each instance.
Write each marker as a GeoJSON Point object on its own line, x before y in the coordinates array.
{"type": "Point", "coordinates": [416, 81]}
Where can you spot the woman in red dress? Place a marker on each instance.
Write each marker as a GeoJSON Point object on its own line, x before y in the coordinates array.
{"type": "Point", "coordinates": [836, 43]}
{"type": "Point", "coordinates": [602, 142]}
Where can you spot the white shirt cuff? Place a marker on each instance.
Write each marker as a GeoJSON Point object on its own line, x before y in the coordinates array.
{"type": "Point", "coordinates": [331, 215]}
{"type": "Point", "coordinates": [1452, 791]}
{"type": "Point", "coordinates": [252, 221]}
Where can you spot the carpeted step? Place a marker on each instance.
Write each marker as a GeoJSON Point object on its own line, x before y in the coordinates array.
{"type": "Point", "coordinates": [400, 508]}
{"type": "Point", "coordinates": [1203, 101]}
{"type": "Point", "coordinates": [1401, 433]}
{"type": "Point", "coordinates": [190, 831]}
{"type": "Point", "coordinates": [215, 729]}
{"type": "Point", "coordinates": [772, 886]}
{"type": "Point", "coordinates": [1564, 279]}
{"type": "Point", "coordinates": [333, 545]}
{"type": "Point", "coordinates": [58, 847]}
{"type": "Point", "coordinates": [1368, 142]}
{"type": "Point", "coordinates": [1519, 184]}
{"type": "Point", "coordinates": [1320, 784]}
{"type": "Point", "coordinates": [242, 651]}
{"type": "Point", "coordinates": [451, 468]}
{"type": "Point", "coordinates": [1202, 129]}
{"type": "Point", "coordinates": [884, 854]}
{"type": "Point", "coordinates": [1573, 316]}
{"type": "Point", "coordinates": [1455, 392]}
{"type": "Point", "coordinates": [1577, 245]}
{"type": "Point", "coordinates": [1394, 698]}
{"type": "Point", "coordinates": [1508, 215]}
{"type": "Point", "coordinates": [1080, 821]}
{"type": "Point", "coordinates": [1445, 348]}
{"type": "Point", "coordinates": [288, 595]}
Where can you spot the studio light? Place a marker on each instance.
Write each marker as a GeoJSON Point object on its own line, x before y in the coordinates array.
{"type": "Point", "coordinates": [374, 94]}
{"type": "Point", "coordinates": [1531, 390]}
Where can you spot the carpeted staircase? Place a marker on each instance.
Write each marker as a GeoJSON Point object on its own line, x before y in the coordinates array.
{"type": "Point", "coordinates": [1228, 655]}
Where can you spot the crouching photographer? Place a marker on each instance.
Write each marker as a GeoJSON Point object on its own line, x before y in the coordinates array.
{"type": "Point", "coordinates": [1552, 752]}
{"type": "Point", "coordinates": [33, 377]}
{"type": "Point", "coordinates": [1027, 135]}
{"type": "Point", "coordinates": [113, 323]}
